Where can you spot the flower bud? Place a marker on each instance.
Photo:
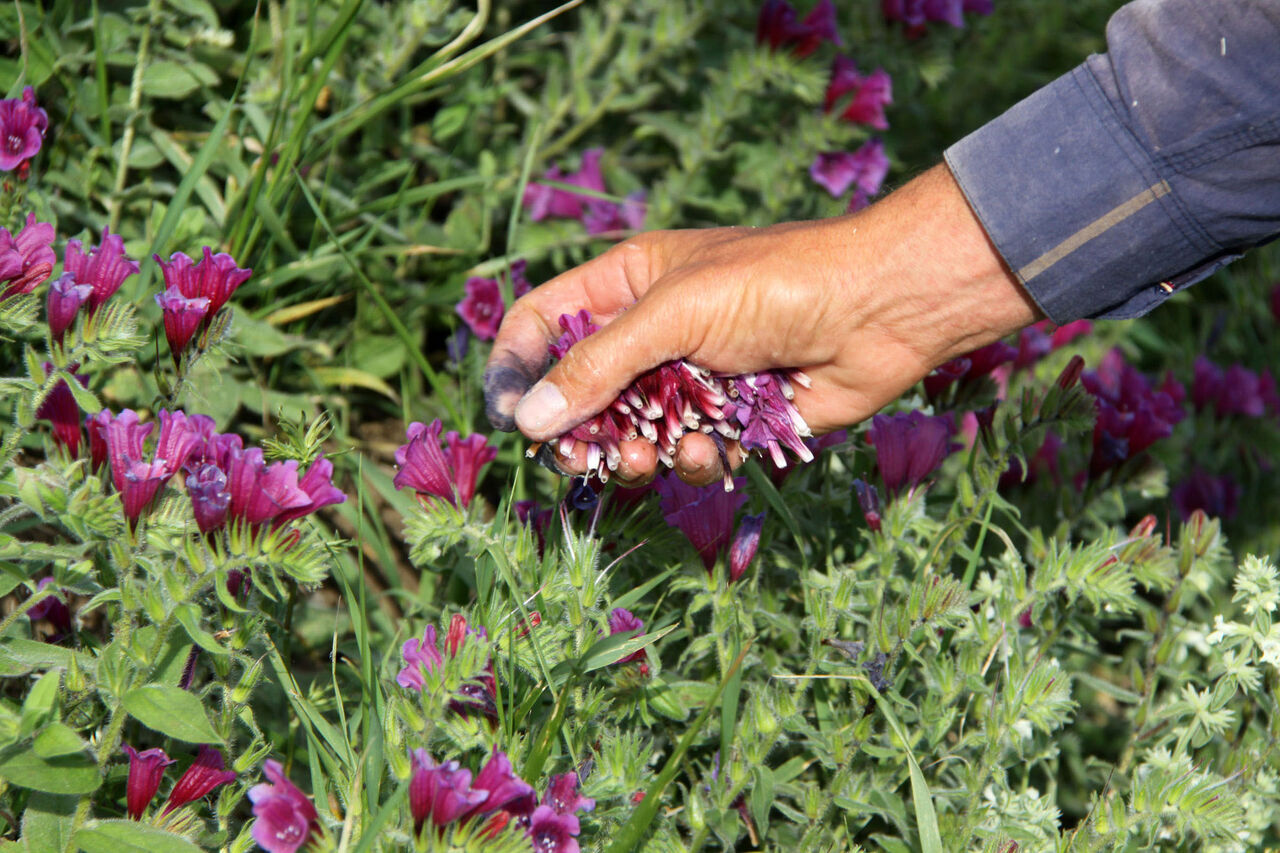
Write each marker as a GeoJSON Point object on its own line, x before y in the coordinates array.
{"type": "Point", "coordinates": [869, 502]}
{"type": "Point", "coordinates": [244, 690]}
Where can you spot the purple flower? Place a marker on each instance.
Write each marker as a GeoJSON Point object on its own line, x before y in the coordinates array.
{"type": "Point", "coordinates": [215, 277]}
{"type": "Point", "coordinates": [482, 307]}
{"type": "Point", "coordinates": [563, 796]}
{"type": "Point", "coordinates": [26, 260]}
{"type": "Point", "coordinates": [530, 514]}
{"type": "Point", "coordinates": [440, 792]}
{"type": "Point", "coordinates": [260, 492]}
{"type": "Point", "coordinates": [146, 768]}
{"type": "Point", "coordinates": [501, 784]}
{"type": "Point", "coordinates": [210, 499]}
{"type": "Point", "coordinates": [449, 472]}
{"type": "Point", "coordinates": [870, 94]}
{"type": "Point", "coordinates": [909, 447]}
{"type": "Point", "coordinates": [419, 655]}
{"type": "Point", "coordinates": [285, 815]}
{"type": "Point", "coordinates": [1234, 391]}
{"type": "Point", "coordinates": [968, 369]}
{"type": "Point", "coordinates": [601, 216]}
{"type": "Point", "coordinates": [1217, 496]}
{"type": "Point", "coordinates": [623, 621]}
{"type": "Point", "coordinates": [182, 316]}
{"type": "Point", "coordinates": [545, 202]}
{"type": "Point", "coordinates": [318, 486]}
{"type": "Point", "coordinates": [552, 832]}
{"type": "Point", "coordinates": [866, 168]}
{"type": "Point", "coordinates": [62, 411]}
{"type": "Point", "coordinates": [581, 496]}
{"type": "Point", "coordinates": [916, 13]}
{"type": "Point", "coordinates": [745, 544]}
{"type": "Point", "coordinates": [63, 303]}
{"type": "Point", "coordinates": [1131, 414]}
{"type": "Point", "coordinates": [777, 27]}
{"type": "Point", "coordinates": [104, 269]}
{"type": "Point", "coordinates": [22, 129]}
{"type": "Point", "coordinates": [53, 608]}
{"type": "Point", "coordinates": [519, 282]}
{"type": "Point", "coordinates": [96, 427]}
{"type": "Point", "coordinates": [704, 515]}
{"type": "Point", "coordinates": [136, 479]}
{"type": "Point", "coordinates": [207, 772]}
{"type": "Point", "coordinates": [868, 502]}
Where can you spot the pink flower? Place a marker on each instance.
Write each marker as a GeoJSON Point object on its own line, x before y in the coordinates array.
{"type": "Point", "coordinates": [563, 796]}
{"type": "Point", "coordinates": [207, 772]}
{"type": "Point", "coordinates": [1131, 414]}
{"type": "Point", "coordinates": [869, 502]}
{"type": "Point", "coordinates": [105, 268]}
{"type": "Point", "coordinates": [871, 94]}
{"type": "Point", "coordinates": [552, 832]}
{"type": "Point", "coordinates": [623, 621]}
{"type": "Point", "coordinates": [450, 474]}
{"type": "Point", "coordinates": [215, 277]}
{"type": "Point", "coordinates": [601, 216]}
{"type": "Point", "coordinates": [207, 488]}
{"type": "Point", "coordinates": [519, 281]}
{"type": "Point", "coordinates": [597, 214]}
{"type": "Point", "coordinates": [260, 492]}
{"type": "Point", "coordinates": [182, 316]}
{"type": "Point", "coordinates": [63, 303]}
{"type": "Point", "coordinates": [62, 411]}
{"type": "Point", "coordinates": [916, 13]}
{"type": "Point", "coordinates": [866, 168]}
{"type": "Point", "coordinates": [501, 783]}
{"type": "Point", "coordinates": [704, 515]}
{"type": "Point", "coordinates": [777, 27]}
{"type": "Point", "coordinates": [22, 129]}
{"type": "Point", "coordinates": [26, 260]}
{"type": "Point", "coordinates": [318, 486]}
{"type": "Point", "coordinates": [285, 815]}
{"type": "Point", "coordinates": [482, 307]}
{"type": "Point", "coordinates": [146, 769]}
{"type": "Point", "coordinates": [419, 655]}
{"type": "Point", "coordinates": [441, 793]}
{"type": "Point", "coordinates": [745, 544]}
{"type": "Point", "coordinates": [136, 479]}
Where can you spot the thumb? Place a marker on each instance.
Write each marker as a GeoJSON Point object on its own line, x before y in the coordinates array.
{"type": "Point", "coordinates": [596, 369]}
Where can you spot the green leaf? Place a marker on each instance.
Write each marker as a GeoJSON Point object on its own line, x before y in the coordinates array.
{"type": "Point", "coordinates": [171, 711]}
{"type": "Point", "coordinates": [615, 647]}
{"type": "Point", "coordinates": [762, 798]}
{"type": "Point", "coordinates": [57, 739]}
{"type": "Point", "coordinates": [926, 816]}
{"type": "Point", "coordinates": [167, 79]}
{"type": "Point", "coordinates": [65, 774]}
{"type": "Point", "coordinates": [130, 836]}
{"type": "Point", "coordinates": [47, 823]}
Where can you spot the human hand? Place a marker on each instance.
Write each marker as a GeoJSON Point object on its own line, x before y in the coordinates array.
{"type": "Point", "coordinates": [865, 304]}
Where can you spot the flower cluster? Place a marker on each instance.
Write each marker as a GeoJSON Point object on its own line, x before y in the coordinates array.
{"type": "Point", "coordinates": [777, 27]}
{"type": "Point", "coordinates": [146, 770]}
{"type": "Point", "coordinates": [27, 259]}
{"type": "Point", "coordinates": [599, 215]}
{"type": "Point", "coordinates": [864, 170]}
{"type": "Point", "coordinates": [1237, 390]}
{"type": "Point", "coordinates": [449, 472]}
{"type": "Point", "coordinates": [194, 293]}
{"type": "Point", "coordinates": [914, 14]}
{"type": "Point", "coordinates": [705, 516]}
{"type": "Point", "coordinates": [1132, 415]}
{"type": "Point", "coordinates": [422, 656]}
{"type": "Point", "coordinates": [663, 404]}
{"type": "Point", "coordinates": [22, 129]}
{"type": "Point", "coordinates": [859, 99]}
{"type": "Point", "coordinates": [286, 817]}
{"type": "Point", "coordinates": [445, 794]}
{"type": "Point", "coordinates": [909, 447]}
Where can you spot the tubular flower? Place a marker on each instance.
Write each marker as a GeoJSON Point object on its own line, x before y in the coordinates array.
{"type": "Point", "coordinates": [450, 474]}
{"type": "Point", "coordinates": [520, 284]}
{"type": "Point", "coordinates": [1037, 341]}
{"type": "Point", "coordinates": [105, 268]}
{"type": "Point", "coordinates": [968, 369]}
{"type": "Point", "coordinates": [870, 94]}
{"type": "Point", "coordinates": [674, 398]}
{"type": "Point", "coordinates": [623, 621]}
{"type": "Point", "coordinates": [146, 768]}
{"type": "Point", "coordinates": [500, 782]}
{"type": "Point", "coordinates": [61, 410]}
{"type": "Point", "coordinates": [207, 772]}
{"type": "Point", "coordinates": [63, 303]}
{"type": "Point", "coordinates": [563, 797]}
{"type": "Point", "coordinates": [482, 307]}
{"type": "Point", "coordinates": [704, 515]}
{"type": "Point", "coordinates": [1132, 415]}
{"type": "Point", "coordinates": [27, 259]}
{"type": "Point", "coordinates": [868, 502]}
{"type": "Point", "coordinates": [419, 655]}
{"type": "Point", "coordinates": [285, 815]}
{"type": "Point", "coordinates": [552, 832]}
{"type": "Point", "coordinates": [215, 278]}
{"type": "Point", "coordinates": [136, 479]}
{"type": "Point", "coordinates": [598, 215]}
{"type": "Point", "coordinates": [210, 499]}
{"type": "Point", "coordinates": [182, 316]}
{"type": "Point", "coordinates": [317, 485]}
{"type": "Point", "coordinates": [441, 793]}
{"type": "Point", "coordinates": [864, 169]}
{"type": "Point", "coordinates": [909, 447]}
{"type": "Point", "coordinates": [745, 544]}
{"type": "Point", "coordinates": [22, 129]}
{"type": "Point", "coordinates": [777, 27]}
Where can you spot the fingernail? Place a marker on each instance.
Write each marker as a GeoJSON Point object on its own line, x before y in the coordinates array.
{"type": "Point", "coordinates": [541, 409]}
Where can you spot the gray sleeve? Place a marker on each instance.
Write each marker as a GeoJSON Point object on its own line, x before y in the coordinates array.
{"type": "Point", "coordinates": [1142, 170]}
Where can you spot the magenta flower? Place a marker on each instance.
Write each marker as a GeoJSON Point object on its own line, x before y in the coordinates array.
{"type": "Point", "coordinates": [260, 492]}
{"type": "Point", "coordinates": [552, 832]}
{"type": "Point", "coordinates": [419, 655]}
{"type": "Point", "coordinates": [210, 500]}
{"type": "Point", "coordinates": [777, 27]}
{"type": "Point", "coordinates": [105, 268]}
{"type": "Point", "coordinates": [450, 474]}
{"type": "Point", "coordinates": [623, 621]}
{"type": "Point", "coordinates": [704, 515]}
{"type": "Point", "coordinates": [22, 129]}
{"type": "Point", "coordinates": [136, 479]}
{"type": "Point", "coordinates": [285, 815]}
{"type": "Point", "coordinates": [182, 317]}
{"type": "Point", "coordinates": [1234, 391]}
{"type": "Point", "coordinates": [26, 260]}
{"type": "Point", "coordinates": [482, 307]}
{"type": "Point", "coordinates": [546, 202]}
{"type": "Point", "coordinates": [968, 369]}
{"type": "Point", "coordinates": [869, 502]}
{"type": "Point", "coordinates": [870, 94]}
{"type": "Point", "coordinates": [441, 793]}
{"type": "Point", "coordinates": [1216, 496]}
{"type": "Point", "coordinates": [1132, 415]}
{"type": "Point", "coordinates": [63, 303]}
{"type": "Point", "coordinates": [62, 411]}
{"type": "Point", "coordinates": [745, 544]}
{"type": "Point", "coordinates": [916, 13]}
{"type": "Point", "coordinates": [909, 447]}
{"type": "Point", "coordinates": [317, 485]}
{"type": "Point", "coordinates": [207, 772]}
{"type": "Point", "coordinates": [500, 782]}
{"type": "Point", "coordinates": [563, 797]}
{"type": "Point", "coordinates": [96, 427]}
{"type": "Point", "coordinates": [601, 216]}
{"type": "Point", "coordinates": [215, 277]}
{"type": "Point", "coordinates": [146, 768]}
{"type": "Point", "coordinates": [520, 284]}
{"type": "Point", "coordinates": [864, 169]}
{"type": "Point", "coordinates": [52, 608]}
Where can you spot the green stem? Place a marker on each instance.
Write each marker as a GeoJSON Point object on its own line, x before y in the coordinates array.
{"type": "Point", "coordinates": [135, 103]}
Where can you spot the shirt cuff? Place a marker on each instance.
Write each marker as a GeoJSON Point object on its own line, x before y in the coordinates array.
{"type": "Point", "coordinates": [1077, 208]}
